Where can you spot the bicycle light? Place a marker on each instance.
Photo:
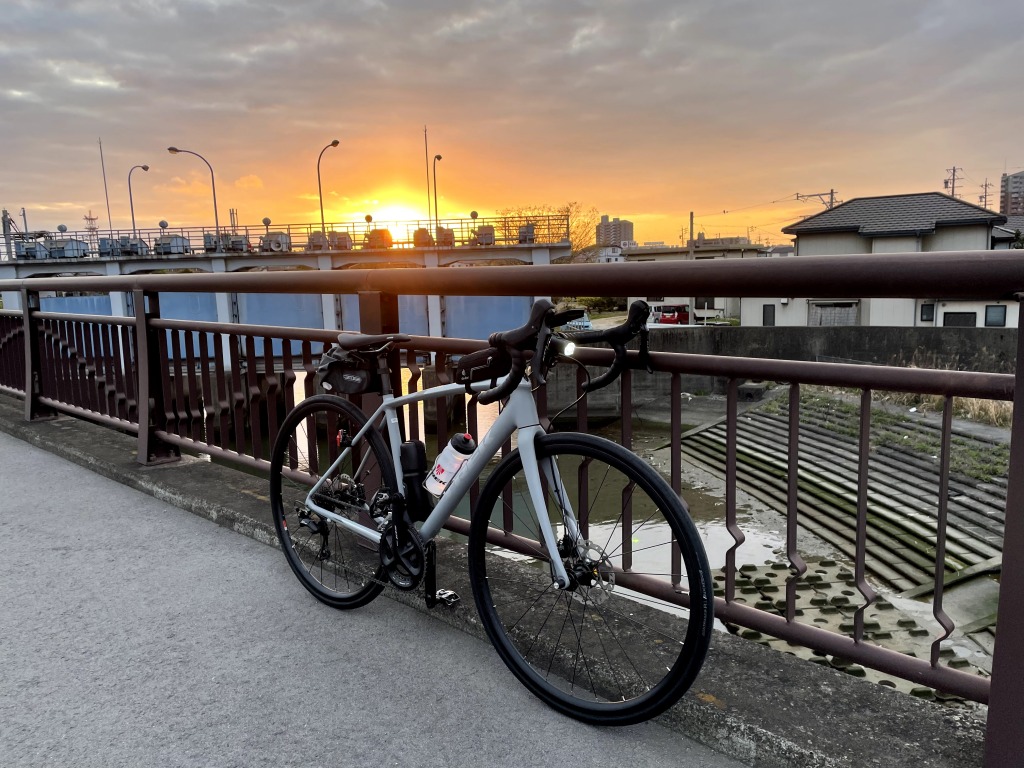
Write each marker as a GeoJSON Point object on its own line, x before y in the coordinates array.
{"type": "Point", "coordinates": [563, 347]}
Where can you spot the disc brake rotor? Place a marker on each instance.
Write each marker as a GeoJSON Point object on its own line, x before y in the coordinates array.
{"type": "Point", "coordinates": [599, 574]}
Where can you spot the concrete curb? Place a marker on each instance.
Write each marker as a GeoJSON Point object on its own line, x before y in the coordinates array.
{"type": "Point", "coordinates": [765, 708]}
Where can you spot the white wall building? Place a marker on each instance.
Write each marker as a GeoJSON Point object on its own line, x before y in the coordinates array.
{"type": "Point", "coordinates": [917, 223]}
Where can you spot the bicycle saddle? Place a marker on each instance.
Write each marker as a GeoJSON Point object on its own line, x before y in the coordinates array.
{"type": "Point", "coordinates": [352, 342]}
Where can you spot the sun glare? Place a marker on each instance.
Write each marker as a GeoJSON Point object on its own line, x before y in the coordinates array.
{"type": "Point", "coordinates": [395, 212]}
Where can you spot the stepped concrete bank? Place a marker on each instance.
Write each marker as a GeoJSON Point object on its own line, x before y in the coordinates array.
{"type": "Point", "coordinates": [763, 707]}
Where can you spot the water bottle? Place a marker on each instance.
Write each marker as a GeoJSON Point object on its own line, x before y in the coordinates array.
{"type": "Point", "coordinates": [448, 463]}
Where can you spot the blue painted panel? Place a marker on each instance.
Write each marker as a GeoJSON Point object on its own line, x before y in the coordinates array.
{"type": "Point", "coordinates": [291, 310]}
{"type": "Point", "coordinates": [80, 305]}
{"type": "Point", "coordinates": [412, 315]}
{"type": "Point", "coordinates": [349, 312]}
{"type": "Point", "coordinates": [477, 317]}
{"type": "Point", "coordinates": [188, 306]}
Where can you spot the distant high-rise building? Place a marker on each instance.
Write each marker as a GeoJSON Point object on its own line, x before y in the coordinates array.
{"type": "Point", "coordinates": [614, 232]}
{"type": "Point", "coordinates": [1011, 194]}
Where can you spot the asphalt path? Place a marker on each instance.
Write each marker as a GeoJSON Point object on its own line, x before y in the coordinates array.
{"type": "Point", "coordinates": [133, 633]}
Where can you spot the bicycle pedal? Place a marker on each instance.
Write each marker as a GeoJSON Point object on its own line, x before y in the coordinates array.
{"type": "Point", "coordinates": [447, 596]}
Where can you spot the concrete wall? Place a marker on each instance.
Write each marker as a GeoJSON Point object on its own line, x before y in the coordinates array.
{"type": "Point", "coordinates": [974, 349]}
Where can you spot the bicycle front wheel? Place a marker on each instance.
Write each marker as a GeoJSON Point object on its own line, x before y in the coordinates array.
{"type": "Point", "coordinates": [628, 636]}
{"type": "Point", "coordinates": [338, 567]}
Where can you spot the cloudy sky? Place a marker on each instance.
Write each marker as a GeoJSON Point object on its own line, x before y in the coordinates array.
{"type": "Point", "coordinates": [645, 110]}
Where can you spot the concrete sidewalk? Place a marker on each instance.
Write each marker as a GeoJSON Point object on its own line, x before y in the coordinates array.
{"type": "Point", "coordinates": [756, 705]}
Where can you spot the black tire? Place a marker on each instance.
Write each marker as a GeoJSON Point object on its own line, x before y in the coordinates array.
{"type": "Point", "coordinates": [598, 651]}
{"type": "Point", "coordinates": [339, 568]}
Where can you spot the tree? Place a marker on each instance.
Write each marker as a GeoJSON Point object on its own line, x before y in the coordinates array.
{"type": "Point", "coordinates": [582, 225]}
{"type": "Point", "coordinates": [1018, 240]}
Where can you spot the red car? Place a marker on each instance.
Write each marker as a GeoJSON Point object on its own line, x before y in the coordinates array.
{"type": "Point", "coordinates": [675, 316]}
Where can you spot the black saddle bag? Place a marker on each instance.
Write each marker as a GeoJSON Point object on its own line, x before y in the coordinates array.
{"type": "Point", "coordinates": [346, 373]}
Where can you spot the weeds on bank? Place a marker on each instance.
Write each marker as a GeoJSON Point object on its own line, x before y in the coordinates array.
{"type": "Point", "coordinates": [977, 459]}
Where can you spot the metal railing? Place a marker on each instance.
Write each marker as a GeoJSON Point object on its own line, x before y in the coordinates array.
{"type": "Point", "coordinates": [173, 242]}
{"type": "Point", "coordinates": [222, 389]}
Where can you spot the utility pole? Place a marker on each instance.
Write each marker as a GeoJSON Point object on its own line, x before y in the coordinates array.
{"type": "Point", "coordinates": [984, 193]}
{"type": "Point", "coordinates": [950, 183]}
{"type": "Point", "coordinates": [829, 204]}
{"type": "Point", "coordinates": [692, 237]}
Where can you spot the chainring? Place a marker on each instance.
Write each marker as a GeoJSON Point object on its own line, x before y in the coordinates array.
{"type": "Point", "coordinates": [402, 555]}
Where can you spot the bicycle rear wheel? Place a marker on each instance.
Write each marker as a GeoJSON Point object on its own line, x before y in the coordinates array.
{"type": "Point", "coordinates": [338, 567]}
{"type": "Point", "coordinates": [616, 647]}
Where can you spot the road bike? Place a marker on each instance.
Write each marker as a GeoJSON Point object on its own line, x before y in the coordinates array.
{"type": "Point", "coordinates": [588, 574]}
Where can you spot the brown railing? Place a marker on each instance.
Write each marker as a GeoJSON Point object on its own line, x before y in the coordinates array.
{"type": "Point", "coordinates": [222, 389]}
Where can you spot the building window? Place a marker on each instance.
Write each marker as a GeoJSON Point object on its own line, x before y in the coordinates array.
{"type": "Point", "coordinates": [995, 316]}
{"type": "Point", "coordinates": [655, 298]}
{"type": "Point", "coordinates": [927, 313]}
{"type": "Point", "coordinates": [768, 315]}
{"type": "Point", "coordinates": [833, 313]}
{"type": "Point", "coordinates": [960, 319]}
{"type": "Point", "coordinates": [704, 302]}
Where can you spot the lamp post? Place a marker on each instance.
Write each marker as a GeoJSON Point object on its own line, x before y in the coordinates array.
{"type": "Point", "coordinates": [437, 222]}
{"type": "Point", "coordinates": [131, 202]}
{"type": "Point", "coordinates": [319, 188]}
{"type": "Point", "coordinates": [213, 186]}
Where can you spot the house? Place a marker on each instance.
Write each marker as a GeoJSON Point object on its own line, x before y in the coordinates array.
{"type": "Point", "coordinates": [926, 222]}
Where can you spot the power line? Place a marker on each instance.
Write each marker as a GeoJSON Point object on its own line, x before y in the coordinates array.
{"type": "Point", "coordinates": [832, 202]}
{"type": "Point", "coordinates": [748, 207]}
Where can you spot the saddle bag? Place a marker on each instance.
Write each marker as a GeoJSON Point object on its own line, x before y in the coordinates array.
{"type": "Point", "coordinates": [345, 373]}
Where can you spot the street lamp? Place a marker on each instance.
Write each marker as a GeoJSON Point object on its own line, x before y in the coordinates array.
{"type": "Point", "coordinates": [437, 222]}
{"type": "Point", "coordinates": [213, 186]}
{"type": "Point", "coordinates": [319, 188]}
{"type": "Point", "coordinates": [131, 202]}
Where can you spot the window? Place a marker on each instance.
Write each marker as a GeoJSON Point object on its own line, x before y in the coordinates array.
{"type": "Point", "coordinates": [995, 316]}
{"type": "Point", "coordinates": [768, 315]}
{"type": "Point", "coordinates": [960, 319]}
{"type": "Point", "coordinates": [655, 298]}
{"type": "Point", "coordinates": [833, 313]}
{"type": "Point", "coordinates": [704, 302]}
{"type": "Point", "coordinates": [927, 313]}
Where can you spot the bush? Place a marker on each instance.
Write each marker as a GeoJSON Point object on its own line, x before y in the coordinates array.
{"type": "Point", "coordinates": [601, 303]}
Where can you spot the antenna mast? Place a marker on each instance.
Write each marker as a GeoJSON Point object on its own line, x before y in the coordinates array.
{"type": "Point", "coordinates": [105, 192]}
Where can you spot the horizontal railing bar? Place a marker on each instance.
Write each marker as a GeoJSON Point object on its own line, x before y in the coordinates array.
{"type": "Point", "coordinates": [946, 275]}
{"type": "Point", "coordinates": [76, 318]}
{"type": "Point", "coordinates": [85, 413]}
{"type": "Point", "coordinates": [995, 386]}
{"type": "Point", "coordinates": [234, 457]}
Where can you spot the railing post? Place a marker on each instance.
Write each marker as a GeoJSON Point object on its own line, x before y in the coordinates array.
{"type": "Point", "coordinates": [33, 368]}
{"type": "Point", "coordinates": [1004, 739]}
{"type": "Point", "coordinates": [378, 313]}
{"type": "Point", "coordinates": [148, 365]}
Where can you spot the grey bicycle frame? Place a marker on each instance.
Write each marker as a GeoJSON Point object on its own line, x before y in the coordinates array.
{"type": "Point", "coordinates": [518, 415]}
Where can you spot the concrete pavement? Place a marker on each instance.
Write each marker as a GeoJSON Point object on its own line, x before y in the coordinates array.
{"type": "Point", "coordinates": [135, 633]}
{"type": "Point", "coordinates": [139, 624]}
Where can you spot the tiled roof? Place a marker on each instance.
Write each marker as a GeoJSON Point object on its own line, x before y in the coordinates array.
{"type": "Point", "coordinates": [896, 215]}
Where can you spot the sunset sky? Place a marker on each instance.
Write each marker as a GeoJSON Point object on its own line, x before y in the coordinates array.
{"type": "Point", "coordinates": [644, 110]}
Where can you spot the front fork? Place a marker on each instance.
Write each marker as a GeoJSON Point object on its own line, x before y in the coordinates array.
{"type": "Point", "coordinates": [533, 467]}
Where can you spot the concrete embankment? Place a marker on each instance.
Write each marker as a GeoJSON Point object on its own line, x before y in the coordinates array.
{"type": "Point", "coordinates": [763, 707]}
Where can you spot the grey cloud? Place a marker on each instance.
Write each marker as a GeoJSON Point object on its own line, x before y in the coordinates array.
{"type": "Point", "coordinates": [647, 84]}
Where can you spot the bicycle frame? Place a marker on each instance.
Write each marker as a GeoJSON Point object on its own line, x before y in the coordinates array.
{"type": "Point", "coordinates": [518, 415]}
